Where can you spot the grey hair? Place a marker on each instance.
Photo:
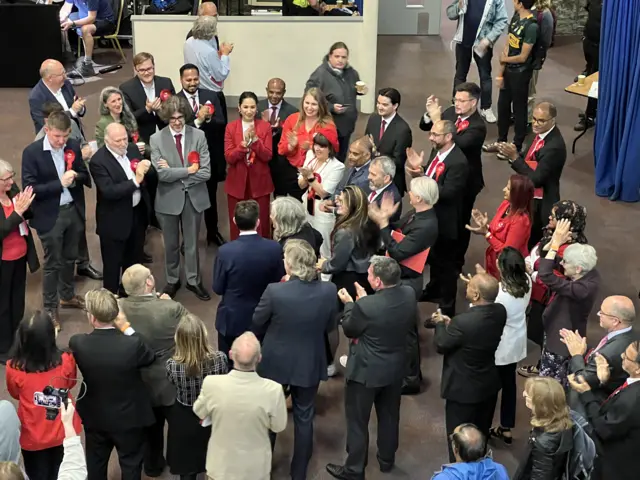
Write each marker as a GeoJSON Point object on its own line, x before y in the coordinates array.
{"type": "Point", "coordinates": [448, 127]}
{"type": "Point", "coordinates": [387, 164]}
{"type": "Point", "coordinates": [205, 28]}
{"type": "Point", "coordinates": [386, 269]}
{"type": "Point", "coordinates": [426, 188]}
{"type": "Point", "coordinates": [126, 117]}
{"type": "Point", "coordinates": [5, 167]}
{"type": "Point", "coordinates": [581, 255]}
{"type": "Point", "coordinates": [245, 351]}
{"type": "Point", "coordinates": [301, 259]}
{"type": "Point", "coordinates": [288, 216]}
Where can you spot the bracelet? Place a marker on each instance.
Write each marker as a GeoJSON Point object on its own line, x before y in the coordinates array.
{"type": "Point", "coordinates": [499, 78]}
{"type": "Point", "coordinates": [73, 24]}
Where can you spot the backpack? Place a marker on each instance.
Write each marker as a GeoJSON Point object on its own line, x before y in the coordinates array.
{"type": "Point", "coordinates": [164, 5]}
{"type": "Point", "coordinates": [581, 458]}
{"type": "Point", "coordinates": [555, 24]}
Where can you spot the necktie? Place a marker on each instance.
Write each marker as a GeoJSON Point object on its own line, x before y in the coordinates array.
{"type": "Point", "coordinates": [178, 138]}
{"type": "Point", "coordinates": [372, 195]}
{"type": "Point", "coordinates": [383, 124]}
{"type": "Point", "coordinates": [594, 350]}
{"type": "Point", "coordinates": [617, 390]}
{"type": "Point", "coordinates": [432, 167]}
{"type": "Point", "coordinates": [274, 115]}
{"type": "Point", "coordinates": [458, 122]}
{"type": "Point", "coordinates": [532, 149]}
{"type": "Point", "coordinates": [194, 104]}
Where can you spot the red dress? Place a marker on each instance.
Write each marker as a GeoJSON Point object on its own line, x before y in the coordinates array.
{"type": "Point", "coordinates": [248, 175]}
{"type": "Point", "coordinates": [297, 157]}
{"type": "Point", "coordinates": [506, 231]}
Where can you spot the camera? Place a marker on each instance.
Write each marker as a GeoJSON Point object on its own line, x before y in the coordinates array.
{"type": "Point", "coordinates": [52, 399]}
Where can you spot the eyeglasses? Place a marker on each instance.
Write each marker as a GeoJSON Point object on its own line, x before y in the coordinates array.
{"type": "Point", "coordinates": [601, 313]}
{"type": "Point", "coordinates": [177, 119]}
{"type": "Point", "coordinates": [434, 134]}
{"type": "Point", "coordinates": [145, 70]}
{"type": "Point", "coordinates": [461, 100]}
{"type": "Point", "coordinates": [9, 178]}
{"type": "Point", "coordinates": [540, 121]}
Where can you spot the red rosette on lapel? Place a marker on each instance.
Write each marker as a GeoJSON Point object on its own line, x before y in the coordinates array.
{"type": "Point", "coordinates": [164, 95]}
{"type": "Point", "coordinates": [193, 158]}
{"type": "Point", "coordinates": [312, 192]}
{"type": "Point", "coordinates": [69, 158]}
{"type": "Point", "coordinates": [134, 164]}
{"type": "Point", "coordinates": [463, 125]}
{"type": "Point", "coordinates": [439, 170]}
{"type": "Point", "coordinates": [211, 108]}
{"type": "Point", "coordinates": [135, 136]}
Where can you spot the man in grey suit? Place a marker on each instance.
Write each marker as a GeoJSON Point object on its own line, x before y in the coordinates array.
{"type": "Point", "coordinates": [180, 155]}
{"type": "Point", "coordinates": [275, 110]}
{"type": "Point", "coordinates": [155, 318]}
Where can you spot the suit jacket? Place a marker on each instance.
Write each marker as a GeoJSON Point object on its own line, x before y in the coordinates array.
{"type": "Point", "coordinates": [241, 273]}
{"type": "Point", "coordinates": [286, 109]}
{"type": "Point", "coordinates": [136, 99]}
{"type": "Point", "coordinates": [11, 223]}
{"type": "Point", "coordinates": [296, 316]}
{"type": "Point", "coordinates": [175, 182]}
{"type": "Point", "coordinates": [116, 398]}
{"type": "Point", "coordinates": [114, 207]}
{"type": "Point", "coordinates": [156, 321]}
{"type": "Point", "coordinates": [394, 143]}
{"type": "Point", "coordinates": [351, 176]}
{"type": "Point", "coordinates": [378, 326]}
{"type": "Point", "coordinates": [470, 141]}
{"type": "Point", "coordinates": [40, 94]}
{"type": "Point", "coordinates": [616, 424]}
{"type": "Point", "coordinates": [212, 130]}
{"type": "Point", "coordinates": [257, 175]}
{"type": "Point", "coordinates": [393, 189]}
{"type": "Point", "coordinates": [586, 366]}
{"type": "Point", "coordinates": [39, 172]}
{"type": "Point", "coordinates": [243, 408]}
{"type": "Point", "coordinates": [452, 186]}
{"type": "Point", "coordinates": [469, 344]}
{"type": "Point", "coordinates": [551, 158]}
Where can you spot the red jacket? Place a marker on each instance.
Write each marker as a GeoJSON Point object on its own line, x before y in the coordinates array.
{"type": "Point", "coordinates": [240, 175]}
{"type": "Point", "coordinates": [510, 231]}
{"type": "Point", "coordinates": [37, 432]}
{"type": "Point", "coordinates": [297, 157]}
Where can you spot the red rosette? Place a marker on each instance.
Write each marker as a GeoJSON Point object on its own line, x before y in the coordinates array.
{"type": "Point", "coordinates": [252, 158]}
{"type": "Point", "coordinates": [134, 164]}
{"type": "Point", "coordinates": [164, 95]}
{"type": "Point", "coordinates": [69, 158]}
{"type": "Point", "coordinates": [463, 125]}
{"type": "Point", "coordinates": [135, 136]}
{"type": "Point", "coordinates": [211, 108]}
{"type": "Point", "coordinates": [439, 170]}
{"type": "Point", "coordinates": [193, 157]}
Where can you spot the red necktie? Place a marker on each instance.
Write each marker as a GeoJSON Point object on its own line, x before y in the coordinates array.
{"type": "Point", "coordinates": [383, 124]}
{"type": "Point", "coordinates": [195, 105]}
{"type": "Point", "coordinates": [432, 167]}
{"type": "Point", "coordinates": [273, 117]}
{"type": "Point", "coordinates": [532, 149]}
{"type": "Point", "coordinates": [458, 122]}
{"type": "Point", "coordinates": [617, 391]}
{"type": "Point", "coordinates": [594, 350]}
{"type": "Point", "coordinates": [372, 195]}
{"type": "Point", "coordinates": [178, 138]}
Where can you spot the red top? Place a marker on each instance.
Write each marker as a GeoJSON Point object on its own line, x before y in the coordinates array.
{"type": "Point", "coordinates": [37, 432]}
{"type": "Point", "coordinates": [252, 172]}
{"type": "Point", "coordinates": [506, 231]}
{"type": "Point", "coordinates": [297, 157]}
{"type": "Point", "coordinates": [14, 245]}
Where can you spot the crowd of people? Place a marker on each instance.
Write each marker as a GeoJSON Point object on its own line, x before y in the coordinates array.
{"type": "Point", "coordinates": [331, 253]}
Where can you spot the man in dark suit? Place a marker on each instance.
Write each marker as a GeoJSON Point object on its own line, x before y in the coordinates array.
{"type": "Point", "coordinates": [213, 125]}
{"type": "Point", "coordinates": [242, 271]}
{"type": "Point", "coordinates": [275, 110]}
{"type": "Point", "coordinates": [471, 132]}
{"type": "Point", "coordinates": [390, 133]}
{"type": "Point", "coordinates": [123, 204]}
{"type": "Point", "coordinates": [156, 319]}
{"type": "Point", "coordinates": [382, 172]}
{"type": "Point", "coordinates": [378, 326]}
{"type": "Point", "coordinates": [450, 169]}
{"type": "Point", "coordinates": [296, 315]}
{"type": "Point", "coordinates": [54, 168]}
{"type": "Point", "coordinates": [542, 162]}
{"type": "Point", "coordinates": [470, 379]}
{"type": "Point", "coordinates": [115, 409]}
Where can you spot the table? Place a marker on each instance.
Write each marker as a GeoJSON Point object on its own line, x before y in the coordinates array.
{"type": "Point", "coordinates": [582, 91]}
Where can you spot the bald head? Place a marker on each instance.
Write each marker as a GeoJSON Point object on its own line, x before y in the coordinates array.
{"type": "Point", "coordinates": [116, 138]}
{"type": "Point", "coordinates": [486, 286]}
{"type": "Point", "coordinates": [276, 89]}
{"type": "Point", "coordinates": [469, 444]}
{"type": "Point", "coordinates": [276, 83]}
{"type": "Point", "coordinates": [53, 74]}
{"type": "Point", "coordinates": [137, 280]}
{"type": "Point", "coordinates": [245, 352]}
{"type": "Point", "coordinates": [208, 9]}
{"type": "Point", "coordinates": [548, 108]}
{"type": "Point", "coordinates": [620, 307]}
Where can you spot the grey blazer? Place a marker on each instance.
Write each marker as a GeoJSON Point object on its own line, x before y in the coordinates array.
{"type": "Point", "coordinates": [174, 182]}
{"type": "Point", "coordinates": [155, 320]}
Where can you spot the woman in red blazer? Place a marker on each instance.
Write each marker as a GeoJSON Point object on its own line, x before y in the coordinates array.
{"type": "Point", "coordinates": [511, 225]}
{"type": "Point", "coordinates": [248, 147]}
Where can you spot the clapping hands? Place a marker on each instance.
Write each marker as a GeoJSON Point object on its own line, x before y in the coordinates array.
{"type": "Point", "coordinates": [23, 200]}
{"type": "Point", "coordinates": [576, 344]}
{"type": "Point", "coordinates": [481, 221]}
{"type": "Point", "coordinates": [434, 110]}
{"type": "Point", "coordinates": [414, 163]}
{"type": "Point", "coordinates": [381, 214]}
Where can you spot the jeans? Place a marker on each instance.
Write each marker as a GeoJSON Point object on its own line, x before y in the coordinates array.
{"type": "Point", "coordinates": [463, 62]}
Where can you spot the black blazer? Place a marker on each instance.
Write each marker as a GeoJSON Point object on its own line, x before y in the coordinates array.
{"type": "Point", "coordinates": [378, 326]}
{"type": "Point", "coordinates": [394, 143]}
{"type": "Point", "coordinates": [469, 344]}
{"type": "Point", "coordinates": [116, 398]}
{"type": "Point", "coordinates": [551, 158]}
{"type": "Point", "coordinates": [452, 185]}
{"type": "Point", "coordinates": [136, 99]}
{"type": "Point", "coordinates": [545, 457]}
{"type": "Point", "coordinates": [296, 316]}
{"type": "Point", "coordinates": [40, 95]}
{"type": "Point", "coordinates": [393, 189]}
{"type": "Point", "coordinates": [11, 223]}
{"type": "Point", "coordinates": [39, 172]}
{"type": "Point", "coordinates": [616, 424]}
{"type": "Point", "coordinates": [114, 207]}
{"type": "Point", "coordinates": [310, 235]}
{"type": "Point", "coordinates": [470, 141]}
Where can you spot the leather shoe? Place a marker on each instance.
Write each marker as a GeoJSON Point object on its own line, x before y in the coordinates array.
{"type": "Point", "coordinates": [408, 390]}
{"type": "Point", "coordinates": [55, 319]}
{"type": "Point", "coordinates": [74, 302]}
{"type": "Point", "coordinates": [217, 239]}
{"type": "Point", "coordinates": [146, 258]}
{"type": "Point", "coordinates": [199, 291]}
{"type": "Point", "coordinates": [339, 472]}
{"type": "Point", "coordinates": [89, 272]}
{"type": "Point", "coordinates": [430, 324]}
{"type": "Point", "coordinates": [172, 288]}
{"type": "Point", "coordinates": [429, 296]}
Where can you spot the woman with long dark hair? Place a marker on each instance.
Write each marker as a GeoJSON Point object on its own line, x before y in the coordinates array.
{"type": "Point", "coordinates": [35, 363]}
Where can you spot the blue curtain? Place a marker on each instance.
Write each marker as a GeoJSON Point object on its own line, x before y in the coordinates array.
{"type": "Point", "coordinates": [617, 143]}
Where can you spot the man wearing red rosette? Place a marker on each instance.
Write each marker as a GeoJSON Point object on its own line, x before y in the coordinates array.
{"type": "Point", "coordinates": [54, 168]}
{"type": "Point", "coordinates": [180, 155]}
{"type": "Point", "coordinates": [449, 168]}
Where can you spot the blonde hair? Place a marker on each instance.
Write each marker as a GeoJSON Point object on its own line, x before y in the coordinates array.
{"type": "Point", "coordinates": [134, 279]}
{"type": "Point", "coordinates": [10, 471]}
{"type": "Point", "coordinates": [192, 344]}
{"type": "Point", "coordinates": [549, 408]}
{"type": "Point", "coordinates": [301, 259]}
{"type": "Point", "coordinates": [324, 117]}
{"type": "Point", "coordinates": [102, 305]}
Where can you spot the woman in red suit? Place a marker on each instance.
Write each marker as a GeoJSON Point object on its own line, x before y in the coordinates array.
{"type": "Point", "coordinates": [248, 150]}
{"type": "Point", "coordinates": [511, 225]}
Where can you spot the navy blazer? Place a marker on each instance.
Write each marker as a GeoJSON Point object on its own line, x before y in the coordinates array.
{"type": "Point", "coordinates": [296, 316]}
{"type": "Point", "coordinates": [242, 271]}
{"type": "Point", "coordinates": [40, 95]}
{"type": "Point", "coordinates": [39, 172]}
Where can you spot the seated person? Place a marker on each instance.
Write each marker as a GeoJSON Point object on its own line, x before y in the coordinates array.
{"type": "Point", "coordinates": [94, 18]}
{"type": "Point", "coordinates": [301, 8]}
{"type": "Point", "coordinates": [170, 7]}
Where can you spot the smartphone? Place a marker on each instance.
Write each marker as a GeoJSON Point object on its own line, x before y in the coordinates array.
{"type": "Point", "coordinates": [47, 401]}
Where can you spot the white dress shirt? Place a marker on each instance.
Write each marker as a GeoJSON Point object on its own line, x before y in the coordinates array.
{"type": "Point", "coordinates": [375, 193]}
{"type": "Point", "coordinates": [249, 232]}
{"type": "Point", "coordinates": [439, 158]}
{"type": "Point", "coordinates": [150, 90]}
{"type": "Point", "coordinates": [62, 101]}
{"type": "Point", "coordinates": [124, 162]}
{"type": "Point", "coordinates": [59, 163]}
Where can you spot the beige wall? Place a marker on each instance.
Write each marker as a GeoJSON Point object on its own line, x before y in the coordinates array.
{"type": "Point", "coordinates": [266, 47]}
